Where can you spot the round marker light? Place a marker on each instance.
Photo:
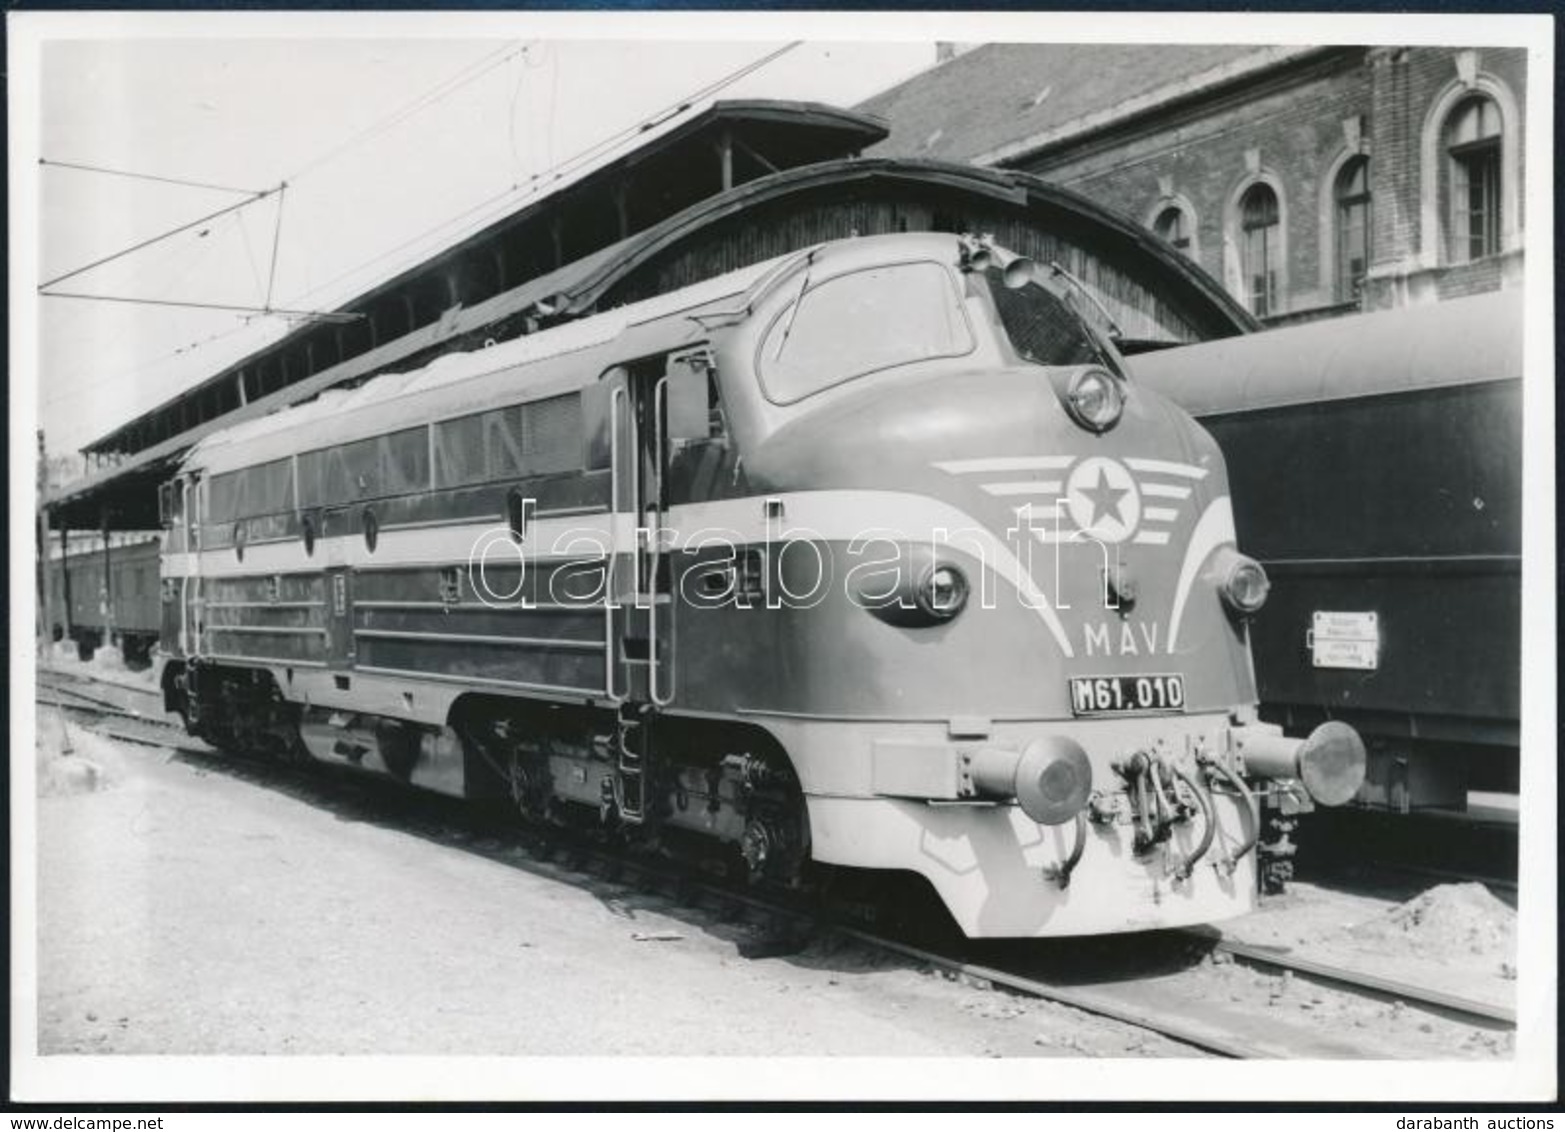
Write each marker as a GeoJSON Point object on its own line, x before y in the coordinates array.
{"type": "Point", "coordinates": [1095, 399]}
{"type": "Point", "coordinates": [942, 592]}
{"type": "Point", "coordinates": [1246, 585]}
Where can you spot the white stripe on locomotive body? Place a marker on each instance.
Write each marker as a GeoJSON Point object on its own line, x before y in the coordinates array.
{"type": "Point", "coordinates": [1159, 514]}
{"type": "Point", "coordinates": [1214, 529]}
{"type": "Point", "coordinates": [453, 544]}
{"type": "Point", "coordinates": [1165, 491]}
{"type": "Point", "coordinates": [833, 516]}
{"type": "Point", "coordinates": [846, 516]}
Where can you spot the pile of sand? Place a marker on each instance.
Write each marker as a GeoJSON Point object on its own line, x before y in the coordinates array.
{"type": "Point", "coordinates": [72, 760]}
{"type": "Point", "coordinates": [1449, 921]}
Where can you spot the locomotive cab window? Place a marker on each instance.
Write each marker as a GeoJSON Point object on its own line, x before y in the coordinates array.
{"type": "Point", "coordinates": [1044, 328]}
{"type": "Point", "coordinates": [860, 323]}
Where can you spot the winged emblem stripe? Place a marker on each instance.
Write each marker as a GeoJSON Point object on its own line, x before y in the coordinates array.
{"type": "Point", "coordinates": [1165, 491]}
{"type": "Point", "coordinates": [1024, 487]}
{"type": "Point", "coordinates": [1063, 534]}
{"type": "Point", "coordinates": [1165, 467]}
{"type": "Point", "coordinates": [1005, 464]}
{"type": "Point", "coordinates": [1037, 511]}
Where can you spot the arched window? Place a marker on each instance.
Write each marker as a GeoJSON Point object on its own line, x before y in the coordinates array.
{"type": "Point", "coordinates": [1261, 248]}
{"type": "Point", "coordinates": [1471, 140]}
{"type": "Point", "coordinates": [1172, 225]}
{"type": "Point", "coordinates": [1353, 218]}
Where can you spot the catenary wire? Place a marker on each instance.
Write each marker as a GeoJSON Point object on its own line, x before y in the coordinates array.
{"type": "Point", "coordinates": [490, 203]}
{"type": "Point", "coordinates": [277, 239]}
{"type": "Point", "coordinates": [456, 82]}
{"type": "Point", "coordinates": [499, 202]}
{"type": "Point", "coordinates": [449, 86]}
{"type": "Point", "coordinates": [156, 239]}
{"type": "Point", "coordinates": [326, 316]}
{"type": "Point", "coordinates": [85, 168]}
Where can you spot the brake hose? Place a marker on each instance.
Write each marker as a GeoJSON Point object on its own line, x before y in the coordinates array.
{"type": "Point", "coordinates": [1165, 809]}
{"type": "Point", "coordinates": [1251, 805]}
{"type": "Point", "coordinates": [1144, 832]}
{"type": "Point", "coordinates": [1060, 874]}
{"type": "Point", "coordinates": [1208, 817]}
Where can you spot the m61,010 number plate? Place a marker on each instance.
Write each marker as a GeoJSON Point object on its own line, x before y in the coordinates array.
{"type": "Point", "coordinates": [1117, 695]}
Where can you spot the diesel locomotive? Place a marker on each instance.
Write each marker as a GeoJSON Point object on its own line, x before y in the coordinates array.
{"type": "Point", "coordinates": [872, 555]}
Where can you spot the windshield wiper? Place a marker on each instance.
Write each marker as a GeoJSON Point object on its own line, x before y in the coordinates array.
{"type": "Point", "coordinates": [798, 301]}
{"type": "Point", "coordinates": [1080, 288]}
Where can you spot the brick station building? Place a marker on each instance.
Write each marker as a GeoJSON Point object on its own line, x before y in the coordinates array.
{"type": "Point", "coordinates": [1311, 181]}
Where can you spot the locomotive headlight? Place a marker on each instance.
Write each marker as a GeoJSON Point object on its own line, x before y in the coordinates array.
{"type": "Point", "coordinates": [941, 592]}
{"type": "Point", "coordinates": [1245, 584]}
{"type": "Point", "coordinates": [1094, 399]}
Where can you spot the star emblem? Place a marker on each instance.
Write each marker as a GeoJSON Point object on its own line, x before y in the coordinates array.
{"type": "Point", "coordinates": [1105, 498]}
{"type": "Point", "coordinates": [1101, 499]}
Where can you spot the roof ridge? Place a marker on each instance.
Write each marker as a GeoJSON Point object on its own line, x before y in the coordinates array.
{"type": "Point", "coordinates": [1262, 59]}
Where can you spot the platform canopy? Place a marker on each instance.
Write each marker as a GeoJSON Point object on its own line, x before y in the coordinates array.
{"type": "Point", "coordinates": [673, 167]}
{"type": "Point", "coordinates": [1156, 295]}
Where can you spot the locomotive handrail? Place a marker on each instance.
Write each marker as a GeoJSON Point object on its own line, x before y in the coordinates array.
{"type": "Point", "coordinates": [659, 412]}
{"type": "Point", "coordinates": [610, 651]}
{"type": "Point", "coordinates": [184, 581]}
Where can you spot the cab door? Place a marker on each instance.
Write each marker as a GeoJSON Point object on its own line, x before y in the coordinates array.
{"type": "Point", "coordinates": [192, 631]}
{"type": "Point", "coordinates": [629, 592]}
{"type": "Point", "coordinates": [657, 405]}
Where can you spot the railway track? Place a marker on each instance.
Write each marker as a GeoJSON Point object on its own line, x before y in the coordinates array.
{"type": "Point", "coordinates": [1397, 990]}
{"type": "Point", "coordinates": [788, 925]}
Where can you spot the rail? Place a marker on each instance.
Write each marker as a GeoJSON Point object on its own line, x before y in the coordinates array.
{"type": "Point", "coordinates": [1130, 1002]}
{"type": "Point", "coordinates": [1462, 1006]}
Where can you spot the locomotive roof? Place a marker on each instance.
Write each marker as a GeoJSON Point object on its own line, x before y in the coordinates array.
{"type": "Point", "coordinates": [440, 386]}
{"type": "Point", "coordinates": [343, 413]}
{"type": "Point", "coordinates": [467, 381]}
